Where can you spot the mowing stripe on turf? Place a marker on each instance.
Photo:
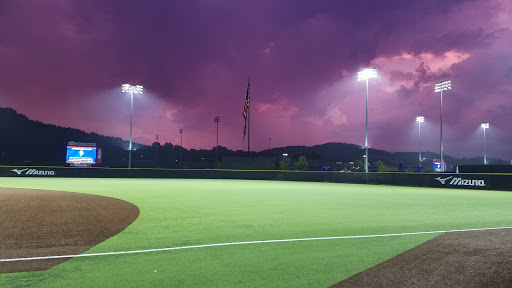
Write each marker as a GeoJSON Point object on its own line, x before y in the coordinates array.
{"type": "Point", "coordinates": [248, 242]}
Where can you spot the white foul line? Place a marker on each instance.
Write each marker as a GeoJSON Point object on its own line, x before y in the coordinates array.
{"type": "Point", "coordinates": [243, 243]}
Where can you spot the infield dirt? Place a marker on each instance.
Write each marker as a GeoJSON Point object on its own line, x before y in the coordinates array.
{"type": "Point", "coordinates": [46, 223]}
{"type": "Point", "coordinates": [455, 259]}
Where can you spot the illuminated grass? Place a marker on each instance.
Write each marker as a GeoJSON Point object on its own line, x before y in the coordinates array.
{"type": "Point", "coordinates": [191, 212]}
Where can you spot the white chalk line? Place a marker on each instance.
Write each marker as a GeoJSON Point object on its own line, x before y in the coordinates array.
{"type": "Point", "coordinates": [247, 242]}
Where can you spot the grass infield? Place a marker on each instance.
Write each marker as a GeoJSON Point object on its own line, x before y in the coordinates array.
{"type": "Point", "coordinates": [194, 212]}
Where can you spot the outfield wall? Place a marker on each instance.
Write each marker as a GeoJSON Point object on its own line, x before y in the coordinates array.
{"type": "Point", "coordinates": [485, 168]}
{"type": "Point", "coordinates": [444, 180]}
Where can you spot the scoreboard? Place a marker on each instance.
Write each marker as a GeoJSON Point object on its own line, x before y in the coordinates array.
{"type": "Point", "coordinates": [81, 155]}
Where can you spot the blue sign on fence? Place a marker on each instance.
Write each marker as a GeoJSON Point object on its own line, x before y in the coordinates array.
{"type": "Point", "coordinates": [437, 166]}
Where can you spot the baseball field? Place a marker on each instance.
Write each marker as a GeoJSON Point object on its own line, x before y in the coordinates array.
{"type": "Point", "coordinates": [157, 233]}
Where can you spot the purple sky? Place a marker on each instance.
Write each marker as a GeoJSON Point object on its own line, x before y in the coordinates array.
{"type": "Point", "coordinates": [63, 62]}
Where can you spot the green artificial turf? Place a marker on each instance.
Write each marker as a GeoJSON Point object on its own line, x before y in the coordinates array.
{"type": "Point", "coordinates": [193, 212]}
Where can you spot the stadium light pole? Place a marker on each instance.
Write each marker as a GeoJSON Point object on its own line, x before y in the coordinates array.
{"type": "Point", "coordinates": [181, 143]}
{"type": "Point", "coordinates": [137, 89]}
{"type": "Point", "coordinates": [485, 126]}
{"type": "Point", "coordinates": [419, 119]}
{"type": "Point", "coordinates": [217, 120]}
{"type": "Point", "coordinates": [440, 87]}
{"type": "Point", "coordinates": [365, 75]}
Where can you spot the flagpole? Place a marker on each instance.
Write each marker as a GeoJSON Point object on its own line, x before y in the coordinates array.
{"type": "Point", "coordinates": [249, 131]}
{"type": "Point", "coordinates": [249, 120]}
{"type": "Point", "coordinates": [246, 115]}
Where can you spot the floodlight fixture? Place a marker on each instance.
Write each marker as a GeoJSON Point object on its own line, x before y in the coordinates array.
{"type": "Point", "coordinates": [420, 119]}
{"type": "Point", "coordinates": [137, 89]}
{"type": "Point", "coordinates": [440, 87]}
{"type": "Point", "coordinates": [485, 126]}
{"type": "Point", "coordinates": [366, 74]}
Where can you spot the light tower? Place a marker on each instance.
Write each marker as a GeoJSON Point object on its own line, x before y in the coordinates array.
{"type": "Point", "coordinates": [181, 142]}
{"type": "Point", "coordinates": [485, 126]}
{"type": "Point", "coordinates": [365, 75]}
{"type": "Point", "coordinates": [137, 89]}
{"type": "Point", "coordinates": [440, 87]}
{"type": "Point", "coordinates": [217, 120]}
{"type": "Point", "coordinates": [419, 119]}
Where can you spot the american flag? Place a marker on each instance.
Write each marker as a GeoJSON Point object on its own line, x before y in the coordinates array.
{"type": "Point", "coordinates": [246, 106]}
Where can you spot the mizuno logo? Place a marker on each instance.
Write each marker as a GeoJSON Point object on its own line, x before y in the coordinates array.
{"type": "Point", "coordinates": [443, 180]}
{"type": "Point", "coordinates": [34, 172]}
{"type": "Point", "coordinates": [461, 182]}
{"type": "Point", "coordinates": [19, 171]}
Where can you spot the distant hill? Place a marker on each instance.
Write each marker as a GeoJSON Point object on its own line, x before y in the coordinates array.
{"type": "Point", "coordinates": [330, 153]}
{"type": "Point", "coordinates": [25, 141]}
{"type": "Point", "coordinates": [28, 142]}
